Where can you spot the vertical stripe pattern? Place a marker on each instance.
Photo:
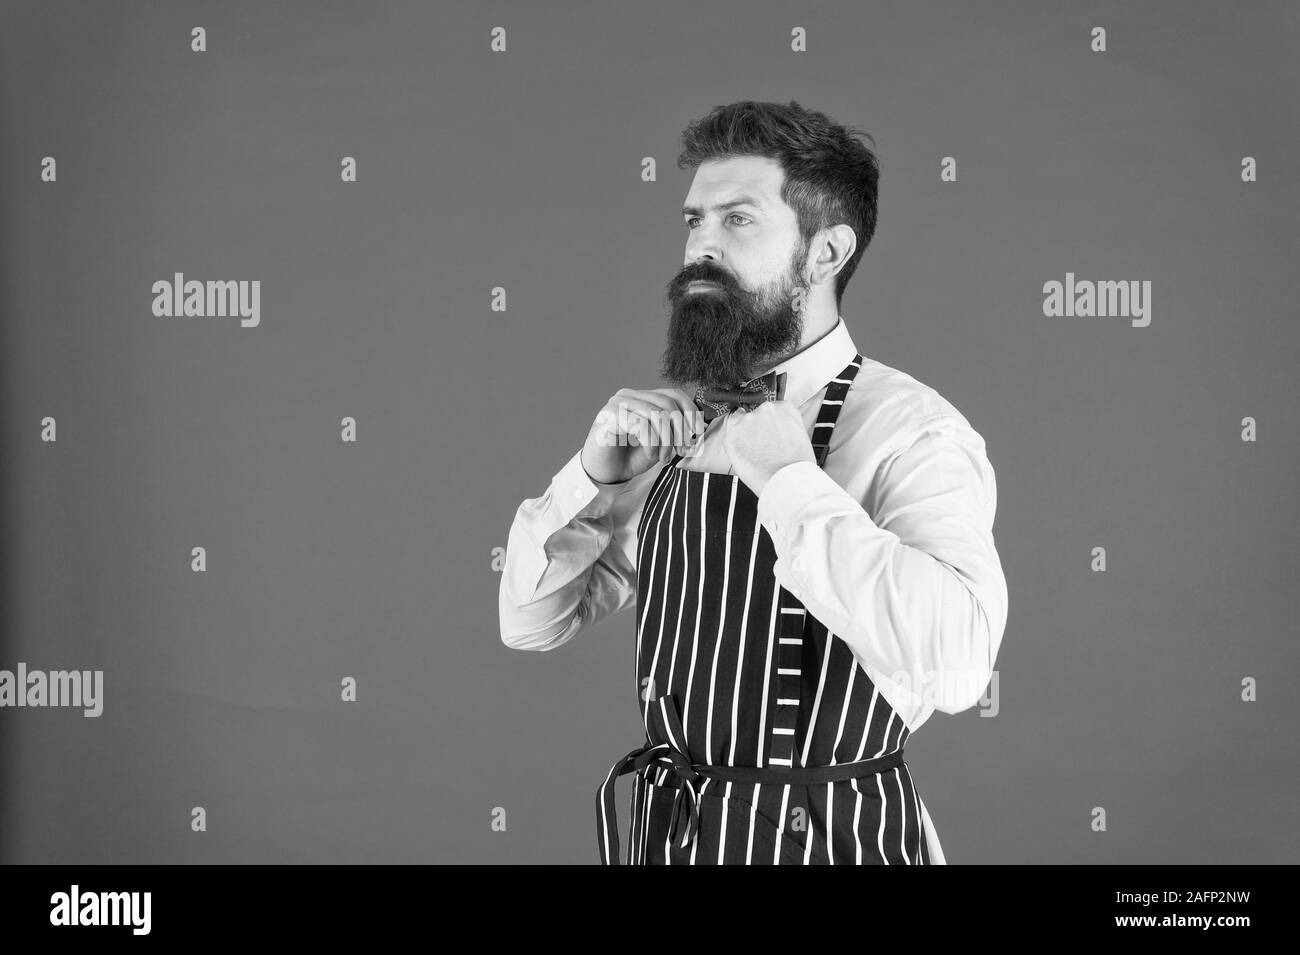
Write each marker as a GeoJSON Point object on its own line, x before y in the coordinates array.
{"type": "Point", "coordinates": [733, 663]}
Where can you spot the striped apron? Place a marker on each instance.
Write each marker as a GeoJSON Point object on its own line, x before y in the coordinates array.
{"type": "Point", "coordinates": [766, 741]}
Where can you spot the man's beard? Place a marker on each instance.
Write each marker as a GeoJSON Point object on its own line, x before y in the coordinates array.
{"type": "Point", "coordinates": [724, 336]}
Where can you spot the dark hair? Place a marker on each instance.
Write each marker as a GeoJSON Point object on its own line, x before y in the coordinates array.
{"type": "Point", "coordinates": [830, 177]}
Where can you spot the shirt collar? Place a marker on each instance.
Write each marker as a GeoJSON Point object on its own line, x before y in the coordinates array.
{"type": "Point", "coordinates": [810, 370]}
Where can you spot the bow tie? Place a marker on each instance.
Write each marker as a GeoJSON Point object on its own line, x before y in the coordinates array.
{"type": "Point", "coordinates": [719, 401]}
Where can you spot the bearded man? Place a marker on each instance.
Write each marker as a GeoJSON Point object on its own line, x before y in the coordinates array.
{"type": "Point", "coordinates": [806, 533]}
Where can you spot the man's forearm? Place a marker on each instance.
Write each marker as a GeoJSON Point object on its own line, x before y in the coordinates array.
{"type": "Point", "coordinates": [561, 573]}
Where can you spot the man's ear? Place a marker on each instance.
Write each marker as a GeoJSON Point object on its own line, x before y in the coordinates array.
{"type": "Point", "coordinates": [841, 241]}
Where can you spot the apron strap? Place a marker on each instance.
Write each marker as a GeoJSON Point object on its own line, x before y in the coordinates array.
{"type": "Point", "coordinates": [829, 411]}
{"type": "Point", "coordinates": [665, 746]}
{"type": "Point", "coordinates": [683, 825]}
{"type": "Point", "coordinates": [793, 622]}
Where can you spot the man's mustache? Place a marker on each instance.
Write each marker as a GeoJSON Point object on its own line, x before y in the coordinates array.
{"type": "Point", "coordinates": [700, 273]}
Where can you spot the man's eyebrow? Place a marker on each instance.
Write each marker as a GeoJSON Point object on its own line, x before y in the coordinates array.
{"type": "Point", "coordinates": [742, 201]}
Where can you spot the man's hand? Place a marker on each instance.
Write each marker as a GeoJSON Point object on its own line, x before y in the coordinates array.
{"type": "Point", "coordinates": [762, 441]}
{"type": "Point", "coordinates": [637, 429]}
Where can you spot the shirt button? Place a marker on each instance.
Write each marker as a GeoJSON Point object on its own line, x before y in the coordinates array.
{"type": "Point", "coordinates": [796, 561]}
{"type": "Point", "coordinates": [577, 492]}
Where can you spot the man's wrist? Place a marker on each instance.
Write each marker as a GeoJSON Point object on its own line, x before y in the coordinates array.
{"type": "Point", "coordinates": [787, 492]}
{"type": "Point", "coordinates": [575, 494]}
{"type": "Point", "coordinates": [600, 484]}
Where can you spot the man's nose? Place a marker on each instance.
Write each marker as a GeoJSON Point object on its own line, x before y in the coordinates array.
{"type": "Point", "coordinates": [701, 245]}
{"type": "Point", "coordinates": [708, 263]}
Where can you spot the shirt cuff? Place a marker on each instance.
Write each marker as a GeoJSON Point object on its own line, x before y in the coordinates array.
{"type": "Point", "coordinates": [786, 496]}
{"type": "Point", "coordinates": [577, 495]}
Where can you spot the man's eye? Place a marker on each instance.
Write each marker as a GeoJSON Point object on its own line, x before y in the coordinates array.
{"type": "Point", "coordinates": [693, 219]}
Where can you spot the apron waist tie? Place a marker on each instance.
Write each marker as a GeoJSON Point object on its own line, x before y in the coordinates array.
{"type": "Point", "coordinates": [682, 826]}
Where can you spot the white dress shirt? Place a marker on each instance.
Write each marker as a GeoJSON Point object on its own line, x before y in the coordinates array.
{"type": "Point", "coordinates": [890, 545]}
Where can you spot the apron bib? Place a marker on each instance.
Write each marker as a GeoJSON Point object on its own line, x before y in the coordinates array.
{"type": "Point", "coordinates": [766, 741]}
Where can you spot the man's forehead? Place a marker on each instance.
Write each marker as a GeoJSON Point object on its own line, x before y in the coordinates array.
{"type": "Point", "coordinates": [755, 178]}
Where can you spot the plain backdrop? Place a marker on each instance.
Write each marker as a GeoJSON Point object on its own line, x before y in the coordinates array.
{"type": "Point", "coordinates": [521, 170]}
